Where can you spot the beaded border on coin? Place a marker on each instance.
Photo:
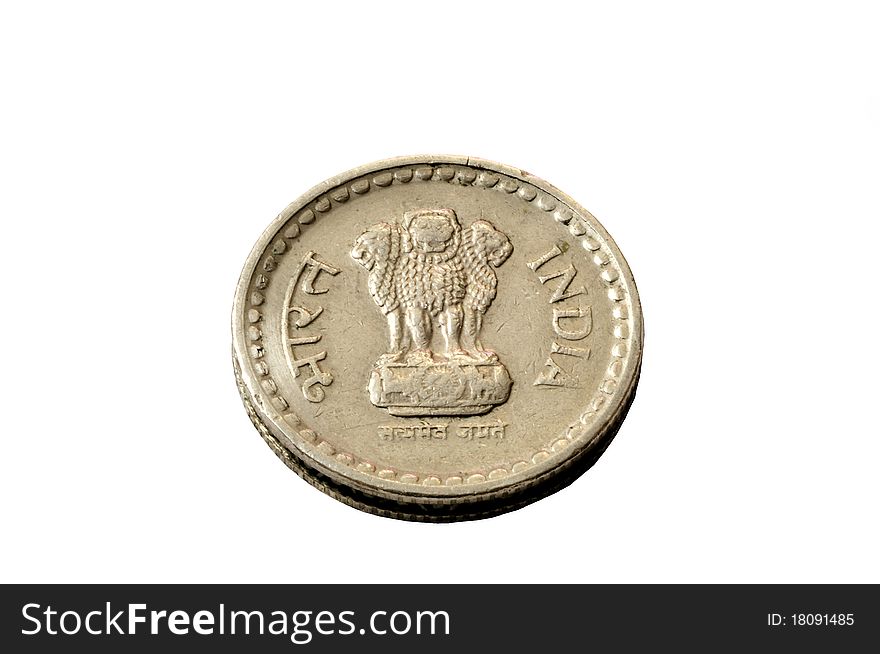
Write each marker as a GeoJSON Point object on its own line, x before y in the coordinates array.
{"type": "Point", "coordinates": [271, 413]}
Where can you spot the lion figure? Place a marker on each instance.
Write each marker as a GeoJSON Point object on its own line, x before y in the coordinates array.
{"type": "Point", "coordinates": [378, 250]}
{"type": "Point", "coordinates": [485, 247]}
{"type": "Point", "coordinates": [431, 280]}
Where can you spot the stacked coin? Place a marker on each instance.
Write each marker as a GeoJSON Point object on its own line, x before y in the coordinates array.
{"type": "Point", "coordinates": [437, 338]}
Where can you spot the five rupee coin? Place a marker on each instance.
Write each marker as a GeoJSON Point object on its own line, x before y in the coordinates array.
{"type": "Point", "coordinates": [437, 338]}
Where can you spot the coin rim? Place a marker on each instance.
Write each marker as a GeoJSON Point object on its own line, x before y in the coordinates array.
{"type": "Point", "coordinates": [392, 488]}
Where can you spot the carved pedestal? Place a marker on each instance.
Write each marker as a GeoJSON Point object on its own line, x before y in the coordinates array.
{"type": "Point", "coordinates": [446, 388]}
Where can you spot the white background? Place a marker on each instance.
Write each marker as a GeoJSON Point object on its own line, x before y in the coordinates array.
{"type": "Point", "coordinates": [733, 153]}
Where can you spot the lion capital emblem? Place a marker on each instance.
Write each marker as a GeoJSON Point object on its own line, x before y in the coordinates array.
{"type": "Point", "coordinates": [429, 276]}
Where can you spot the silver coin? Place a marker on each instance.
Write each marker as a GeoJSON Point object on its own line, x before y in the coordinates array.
{"type": "Point", "coordinates": [437, 338]}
